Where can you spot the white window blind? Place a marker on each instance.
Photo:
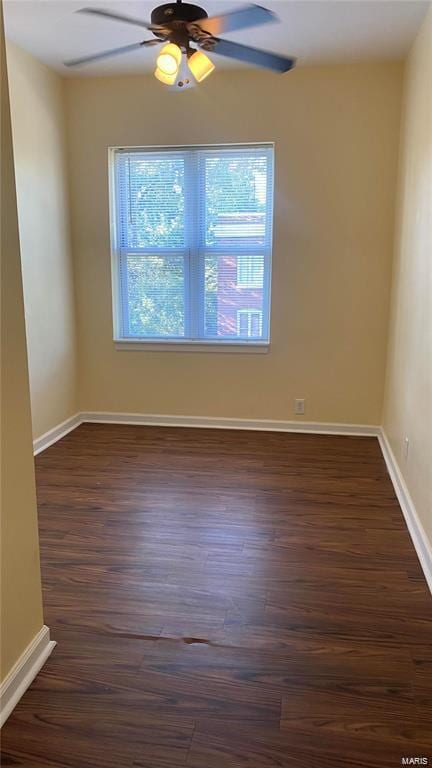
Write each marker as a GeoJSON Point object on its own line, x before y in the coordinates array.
{"type": "Point", "coordinates": [192, 243]}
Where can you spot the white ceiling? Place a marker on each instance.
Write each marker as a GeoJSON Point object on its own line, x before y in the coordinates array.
{"type": "Point", "coordinates": [314, 31]}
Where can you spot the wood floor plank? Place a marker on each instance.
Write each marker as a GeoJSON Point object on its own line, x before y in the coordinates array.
{"type": "Point", "coordinates": [224, 599]}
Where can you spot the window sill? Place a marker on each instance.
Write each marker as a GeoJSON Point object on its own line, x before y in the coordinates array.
{"type": "Point", "coordinates": [224, 347]}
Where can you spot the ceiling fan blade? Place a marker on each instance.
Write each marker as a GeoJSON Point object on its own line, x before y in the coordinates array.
{"type": "Point", "coordinates": [255, 56]}
{"type": "Point", "coordinates": [247, 16]}
{"type": "Point", "coordinates": [107, 54]}
{"type": "Point", "coordinates": [115, 16]}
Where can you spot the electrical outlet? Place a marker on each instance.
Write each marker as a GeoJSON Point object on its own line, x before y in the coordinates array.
{"type": "Point", "coordinates": [299, 407]}
{"type": "Point", "coordinates": [406, 448]}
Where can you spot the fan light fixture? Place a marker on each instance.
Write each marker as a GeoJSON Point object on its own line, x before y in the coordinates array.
{"type": "Point", "coordinates": [169, 59]}
{"type": "Point", "coordinates": [200, 66]}
{"type": "Point", "coordinates": [164, 78]}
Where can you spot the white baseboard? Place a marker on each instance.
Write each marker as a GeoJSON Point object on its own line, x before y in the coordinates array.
{"type": "Point", "coordinates": [215, 422]}
{"type": "Point", "coordinates": [418, 535]}
{"type": "Point", "coordinates": [200, 422]}
{"type": "Point", "coordinates": [24, 672]}
{"type": "Point", "coordinates": [50, 437]}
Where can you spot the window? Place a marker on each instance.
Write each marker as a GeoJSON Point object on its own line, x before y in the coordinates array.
{"type": "Point", "coordinates": [249, 271]}
{"type": "Point", "coordinates": [192, 233]}
{"type": "Point", "coordinates": [249, 323]}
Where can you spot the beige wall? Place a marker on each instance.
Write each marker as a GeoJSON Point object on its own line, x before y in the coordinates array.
{"type": "Point", "coordinates": [21, 602]}
{"type": "Point", "coordinates": [40, 165]}
{"type": "Point", "coordinates": [336, 130]}
{"type": "Point", "coordinates": [408, 400]}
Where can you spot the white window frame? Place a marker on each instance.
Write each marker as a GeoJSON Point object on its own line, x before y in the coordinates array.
{"type": "Point", "coordinates": [192, 342]}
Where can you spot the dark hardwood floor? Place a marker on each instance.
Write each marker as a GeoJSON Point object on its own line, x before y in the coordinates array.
{"type": "Point", "coordinates": [225, 599]}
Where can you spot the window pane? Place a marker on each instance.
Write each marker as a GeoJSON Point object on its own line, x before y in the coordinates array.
{"type": "Point", "coordinates": [154, 188]}
{"type": "Point", "coordinates": [231, 310]}
{"type": "Point", "coordinates": [242, 323]}
{"type": "Point", "coordinates": [250, 271]}
{"type": "Point", "coordinates": [155, 295]}
{"type": "Point", "coordinates": [193, 242]}
{"type": "Point", "coordinates": [255, 324]}
{"type": "Point", "coordinates": [235, 204]}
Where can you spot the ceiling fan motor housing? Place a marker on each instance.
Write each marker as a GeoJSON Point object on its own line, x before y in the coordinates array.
{"type": "Point", "coordinates": [174, 12]}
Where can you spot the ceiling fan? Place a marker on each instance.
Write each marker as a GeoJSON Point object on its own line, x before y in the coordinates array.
{"type": "Point", "coordinates": [179, 24]}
